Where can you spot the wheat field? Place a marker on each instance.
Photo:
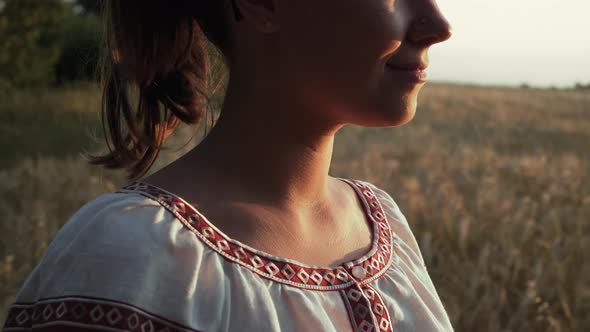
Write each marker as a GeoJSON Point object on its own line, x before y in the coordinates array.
{"type": "Point", "coordinates": [495, 183]}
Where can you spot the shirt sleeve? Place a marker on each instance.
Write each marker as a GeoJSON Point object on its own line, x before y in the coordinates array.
{"type": "Point", "coordinates": [115, 265]}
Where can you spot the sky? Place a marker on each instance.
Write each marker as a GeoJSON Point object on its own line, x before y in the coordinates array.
{"type": "Point", "coordinates": [509, 42]}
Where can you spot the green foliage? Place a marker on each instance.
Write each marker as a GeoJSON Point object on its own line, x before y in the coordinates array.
{"type": "Point", "coordinates": [90, 7]}
{"type": "Point", "coordinates": [46, 42]}
{"type": "Point", "coordinates": [80, 47]}
{"type": "Point", "coordinates": [28, 30]}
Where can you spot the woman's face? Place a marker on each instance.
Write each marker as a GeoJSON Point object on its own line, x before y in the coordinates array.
{"type": "Point", "coordinates": [336, 55]}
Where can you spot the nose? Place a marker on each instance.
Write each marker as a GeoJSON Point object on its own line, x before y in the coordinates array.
{"type": "Point", "coordinates": [430, 29]}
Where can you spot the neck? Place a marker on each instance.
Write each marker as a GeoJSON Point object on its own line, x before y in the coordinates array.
{"type": "Point", "coordinates": [281, 151]}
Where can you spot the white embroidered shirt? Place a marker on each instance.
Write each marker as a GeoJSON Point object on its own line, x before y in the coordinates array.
{"type": "Point", "coordinates": [143, 259]}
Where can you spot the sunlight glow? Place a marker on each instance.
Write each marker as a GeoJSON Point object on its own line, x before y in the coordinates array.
{"type": "Point", "coordinates": [508, 42]}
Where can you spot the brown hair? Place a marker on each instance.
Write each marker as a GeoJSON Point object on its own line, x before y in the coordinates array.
{"type": "Point", "coordinates": [157, 52]}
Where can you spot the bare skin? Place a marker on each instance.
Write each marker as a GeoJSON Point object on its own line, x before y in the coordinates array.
{"type": "Point", "coordinates": [261, 175]}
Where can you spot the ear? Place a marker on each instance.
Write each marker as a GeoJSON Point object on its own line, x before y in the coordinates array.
{"type": "Point", "coordinates": [262, 14]}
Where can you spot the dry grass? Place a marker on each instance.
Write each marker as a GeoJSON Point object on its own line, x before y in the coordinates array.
{"type": "Point", "coordinates": [495, 183]}
{"type": "Point", "coordinates": [46, 121]}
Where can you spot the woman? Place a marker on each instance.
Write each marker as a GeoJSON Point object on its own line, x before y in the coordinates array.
{"type": "Point", "coordinates": [247, 231]}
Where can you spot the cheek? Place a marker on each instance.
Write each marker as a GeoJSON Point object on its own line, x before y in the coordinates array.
{"type": "Point", "coordinates": [335, 61]}
{"type": "Point", "coordinates": [339, 49]}
{"type": "Point", "coordinates": [345, 32]}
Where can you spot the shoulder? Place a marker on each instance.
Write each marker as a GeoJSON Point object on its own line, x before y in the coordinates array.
{"type": "Point", "coordinates": [114, 225]}
{"type": "Point", "coordinates": [119, 253]}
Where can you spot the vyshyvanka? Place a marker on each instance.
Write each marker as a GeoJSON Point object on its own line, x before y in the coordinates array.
{"type": "Point", "coordinates": [143, 259]}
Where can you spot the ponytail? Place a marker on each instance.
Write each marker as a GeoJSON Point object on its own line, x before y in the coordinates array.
{"type": "Point", "coordinates": [156, 52]}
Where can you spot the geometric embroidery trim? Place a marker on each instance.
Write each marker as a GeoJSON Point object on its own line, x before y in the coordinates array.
{"type": "Point", "coordinates": [279, 269]}
{"type": "Point", "coordinates": [378, 308]}
{"type": "Point", "coordinates": [83, 313]}
{"type": "Point", "coordinates": [366, 310]}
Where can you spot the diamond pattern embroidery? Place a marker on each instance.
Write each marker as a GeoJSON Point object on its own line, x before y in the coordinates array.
{"type": "Point", "coordinates": [240, 253]}
{"type": "Point", "coordinates": [368, 193]}
{"type": "Point", "coordinates": [342, 275]}
{"type": "Point", "coordinates": [87, 314]}
{"type": "Point", "coordinates": [366, 309]}
{"type": "Point", "coordinates": [366, 326]}
{"type": "Point", "coordinates": [354, 294]}
{"type": "Point", "coordinates": [208, 232]}
{"type": "Point", "coordinates": [271, 268]}
{"type": "Point", "coordinates": [256, 261]}
{"type": "Point", "coordinates": [47, 312]}
{"type": "Point", "coordinates": [368, 268]}
{"type": "Point", "coordinates": [61, 310]}
{"type": "Point", "coordinates": [361, 311]}
{"type": "Point", "coordinates": [114, 316]}
{"type": "Point", "coordinates": [288, 271]}
{"type": "Point", "coordinates": [133, 321]}
{"type": "Point", "coordinates": [303, 276]}
{"type": "Point", "coordinates": [329, 276]}
{"type": "Point", "coordinates": [194, 219]}
{"type": "Point", "coordinates": [378, 215]}
{"type": "Point", "coordinates": [223, 245]}
{"type": "Point", "coordinates": [147, 326]}
{"type": "Point", "coordinates": [364, 304]}
{"type": "Point", "coordinates": [267, 265]}
{"type": "Point", "coordinates": [375, 263]}
{"type": "Point", "coordinates": [22, 317]}
{"type": "Point", "coordinates": [96, 313]}
{"type": "Point", "coordinates": [79, 311]}
{"type": "Point", "coordinates": [36, 314]}
{"type": "Point", "coordinates": [316, 277]}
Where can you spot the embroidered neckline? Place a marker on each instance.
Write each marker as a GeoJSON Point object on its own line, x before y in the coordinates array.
{"type": "Point", "coordinates": [365, 269]}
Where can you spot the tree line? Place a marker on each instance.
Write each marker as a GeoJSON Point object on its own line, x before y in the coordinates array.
{"type": "Point", "coordinates": [49, 42]}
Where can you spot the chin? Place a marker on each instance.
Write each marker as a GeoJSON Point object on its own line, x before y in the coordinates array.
{"type": "Point", "coordinates": [388, 117]}
{"type": "Point", "coordinates": [407, 109]}
{"type": "Point", "coordinates": [407, 117]}
{"type": "Point", "coordinates": [401, 118]}
{"type": "Point", "coordinates": [397, 114]}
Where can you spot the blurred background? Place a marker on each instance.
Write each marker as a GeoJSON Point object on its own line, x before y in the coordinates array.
{"type": "Point", "coordinates": [493, 172]}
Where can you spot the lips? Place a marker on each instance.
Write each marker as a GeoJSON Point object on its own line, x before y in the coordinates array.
{"type": "Point", "coordinates": [412, 72]}
{"type": "Point", "coordinates": [415, 67]}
